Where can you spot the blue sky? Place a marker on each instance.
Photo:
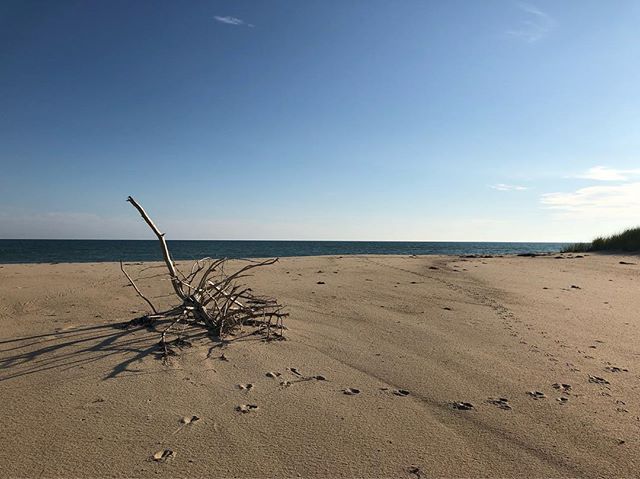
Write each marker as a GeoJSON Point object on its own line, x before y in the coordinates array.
{"type": "Point", "coordinates": [348, 119]}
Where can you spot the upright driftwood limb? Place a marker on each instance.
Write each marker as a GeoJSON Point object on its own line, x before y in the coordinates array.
{"type": "Point", "coordinates": [211, 295]}
{"type": "Point", "coordinates": [177, 286]}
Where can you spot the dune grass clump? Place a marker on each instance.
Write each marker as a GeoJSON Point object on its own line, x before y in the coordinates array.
{"type": "Point", "coordinates": [628, 240]}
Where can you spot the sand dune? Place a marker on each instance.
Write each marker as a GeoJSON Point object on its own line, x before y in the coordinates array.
{"type": "Point", "coordinates": [393, 367]}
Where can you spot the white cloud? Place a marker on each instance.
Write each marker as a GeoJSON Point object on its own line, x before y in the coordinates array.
{"type": "Point", "coordinates": [232, 21]}
{"type": "Point", "coordinates": [535, 27]}
{"type": "Point", "coordinates": [505, 187]}
{"type": "Point", "coordinates": [604, 173]}
{"type": "Point", "coordinates": [621, 202]}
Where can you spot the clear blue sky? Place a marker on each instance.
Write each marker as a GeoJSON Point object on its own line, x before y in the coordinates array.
{"type": "Point", "coordinates": [346, 119]}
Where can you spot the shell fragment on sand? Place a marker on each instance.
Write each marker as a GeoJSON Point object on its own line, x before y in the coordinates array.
{"type": "Point", "coordinates": [189, 419]}
{"type": "Point", "coordinates": [164, 455]}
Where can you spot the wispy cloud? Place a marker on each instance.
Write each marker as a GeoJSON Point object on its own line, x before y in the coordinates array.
{"type": "Point", "coordinates": [598, 202]}
{"type": "Point", "coordinates": [534, 27]}
{"type": "Point", "coordinates": [604, 173]}
{"type": "Point", "coordinates": [505, 187]}
{"type": "Point", "coordinates": [238, 22]}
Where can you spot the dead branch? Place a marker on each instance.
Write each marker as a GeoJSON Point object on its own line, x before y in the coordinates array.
{"type": "Point", "coordinates": [165, 250]}
{"type": "Point", "coordinates": [212, 297]}
{"type": "Point", "coordinates": [153, 308]}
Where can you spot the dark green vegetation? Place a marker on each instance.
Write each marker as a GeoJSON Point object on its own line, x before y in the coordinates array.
{"type": "Point", "coordinates": [628, 240]}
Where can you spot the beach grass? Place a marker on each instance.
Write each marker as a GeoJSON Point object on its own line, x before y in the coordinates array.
{"type": "Point", "coordinates": [628, 240]}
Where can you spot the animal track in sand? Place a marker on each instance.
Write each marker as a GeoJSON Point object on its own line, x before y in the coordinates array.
{"type": "Point", "coordinates": [245, 387]}
{"type": "Point", "coordinates": [502, 403]}
{"type": "Point", "coordinates": [245, 408]}
{"type": "Point", "coordinates": [272, 374]}
{"type": "Point", "coordinates": [351, 391]}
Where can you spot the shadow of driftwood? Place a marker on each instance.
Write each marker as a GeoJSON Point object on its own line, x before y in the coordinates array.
{"type": "Point", "coordinates": [77, 347]}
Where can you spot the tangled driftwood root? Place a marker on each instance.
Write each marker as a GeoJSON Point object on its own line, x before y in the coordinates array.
{"type": "Point", "coordinates": [212, 297]}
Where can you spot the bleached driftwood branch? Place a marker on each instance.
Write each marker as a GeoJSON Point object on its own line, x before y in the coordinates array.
{"type": "Point", "coordinates": [153, 308]}
{"type": "Point", "coordinates": [212, 297]}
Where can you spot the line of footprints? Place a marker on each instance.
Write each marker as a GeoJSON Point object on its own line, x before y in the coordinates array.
{"type": "Point", "coordinates": [500, 402]}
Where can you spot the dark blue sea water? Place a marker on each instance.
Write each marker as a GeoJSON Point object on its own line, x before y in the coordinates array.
{"type": "Point", "coordinates": [84, 251]}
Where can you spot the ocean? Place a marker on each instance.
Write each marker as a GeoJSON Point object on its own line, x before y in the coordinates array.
{"type": "Point", "coordinates": [89, 251]}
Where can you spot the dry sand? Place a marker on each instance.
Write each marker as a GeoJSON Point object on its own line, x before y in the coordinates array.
{"type": "Point", "coordinates": [82, 397]}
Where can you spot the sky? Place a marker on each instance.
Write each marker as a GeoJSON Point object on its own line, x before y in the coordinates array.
{"type": "Point", "coordinates": [411, 120]}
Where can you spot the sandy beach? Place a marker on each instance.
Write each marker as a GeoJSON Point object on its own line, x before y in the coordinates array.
{"type": "Point", "coordinates": [417, 367]}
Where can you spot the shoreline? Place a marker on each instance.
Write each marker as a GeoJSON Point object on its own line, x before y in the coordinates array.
{"type": "Point", "coordinates": [327, 256]}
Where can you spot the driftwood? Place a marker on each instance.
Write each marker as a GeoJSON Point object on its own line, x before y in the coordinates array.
{"type": "Point", "coordinates": [212, 297]}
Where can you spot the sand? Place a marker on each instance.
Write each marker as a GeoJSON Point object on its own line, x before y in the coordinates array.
{"type": "Point", "coordinates": [433, 366]}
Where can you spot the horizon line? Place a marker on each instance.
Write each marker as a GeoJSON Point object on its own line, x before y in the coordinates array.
{"type": "Point", "coordinates": [287, 240]}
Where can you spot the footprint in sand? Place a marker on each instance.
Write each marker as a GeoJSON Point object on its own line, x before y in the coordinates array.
{"type": "Point", "coordinates": [537, 395]}
{"type": "Point", "coordinates": [597, 380]}
{"type": "Point", "coordinates": [295, 371]}
{"type": "Point", "coordinates": [401, 392]}
{"type": "Point", "coordinates": [565, 388]}
{"type": "Point", "coordinates": [615, 369]}
{"type": "Point", "coordinates": [245, 408]}
{"type": "Point", "coordinates": [164, 455]}
{"type": "Point", "coordinates": [272, 374]}
{"type": "Point", "coordinates": [245, 387]}
{"type": "Point", "coordinates": [502, 403]}
{"type": "Point", "coordinates": [462, 406]}
{"type": "Point", "coordinates": [351, 391]}
{"type": "Point", "coordinates": [416, 471]}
